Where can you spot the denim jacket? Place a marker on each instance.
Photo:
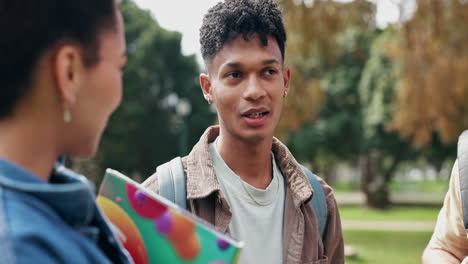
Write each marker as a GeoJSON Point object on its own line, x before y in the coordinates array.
{"type": "Point", "coordinates": [53, 222]}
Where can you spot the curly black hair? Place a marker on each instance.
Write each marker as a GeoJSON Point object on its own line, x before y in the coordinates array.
{"type": "Point", "coordinates": [226, 20]}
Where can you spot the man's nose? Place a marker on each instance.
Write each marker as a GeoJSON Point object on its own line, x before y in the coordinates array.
{"type": "Point", "coordinates": [255, 89]}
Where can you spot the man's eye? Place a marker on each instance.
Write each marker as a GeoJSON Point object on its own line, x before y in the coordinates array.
{"type": "Point", "coordinates": [270, 71]}
{"type": "Point", "coordinates": [233, 75]}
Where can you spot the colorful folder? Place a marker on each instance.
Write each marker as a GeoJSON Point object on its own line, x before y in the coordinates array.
{"type": "Point", "coordinates": [155, 230]}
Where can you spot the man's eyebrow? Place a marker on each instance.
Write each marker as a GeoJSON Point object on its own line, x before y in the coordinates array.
{"type": "Point", "coordinates": [272, 61]}
{"type": "Point", "coordinates": [239, 65]}
{"type": "Point", "coordinates": [232, 65]}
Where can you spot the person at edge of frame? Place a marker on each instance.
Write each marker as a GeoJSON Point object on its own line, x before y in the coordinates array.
{"type": "Point", "coordinates": [60, 79]}
{"type": "Point", "coordinates": [449, 242]}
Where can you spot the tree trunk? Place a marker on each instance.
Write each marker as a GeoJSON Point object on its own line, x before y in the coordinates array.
{"type": "Point", "coordinates": [438, 168]}
{"type": "Point", "coordinates": [374, 182]}
{"type": "Point", "coordinates": [329, 174]}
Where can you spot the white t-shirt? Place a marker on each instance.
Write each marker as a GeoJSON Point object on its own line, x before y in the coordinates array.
{"type": "Point", "coordinates": [257, 215]}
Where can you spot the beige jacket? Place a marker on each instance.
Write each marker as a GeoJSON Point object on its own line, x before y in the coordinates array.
{"type": "Point", "coordinates": [449, 233]}
{"type": "Point", "coordinates": [301, 237]}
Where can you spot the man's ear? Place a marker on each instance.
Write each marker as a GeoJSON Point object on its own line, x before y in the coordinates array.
{"type": "Point", "coordinates": [68, 71]}
{"type": "Point", "coordinates": [286, 79]}
{"type": "Point", "coordinates": [205, 84]}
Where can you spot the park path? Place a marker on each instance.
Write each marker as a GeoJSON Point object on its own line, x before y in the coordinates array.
{"type": "Point", "coordinates": [358, 198]}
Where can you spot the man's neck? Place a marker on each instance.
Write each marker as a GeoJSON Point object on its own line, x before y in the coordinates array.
{"type": "Point", "coordinates": [251, 161]}
{"type": "Point", "coordinates": [29, 145]}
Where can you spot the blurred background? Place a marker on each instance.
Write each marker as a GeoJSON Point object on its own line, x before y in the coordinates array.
{"type": "Point", "coordinates": [378, 99]}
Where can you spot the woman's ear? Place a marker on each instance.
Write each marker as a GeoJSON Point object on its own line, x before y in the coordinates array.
{"type": "Point", "coordinates": [68, 69]}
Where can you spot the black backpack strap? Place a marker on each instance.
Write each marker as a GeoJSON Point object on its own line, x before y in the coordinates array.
{"type": "Point", "coordinates": [171, 180]}
{"type": "Point", "coordinates": [463, 173]}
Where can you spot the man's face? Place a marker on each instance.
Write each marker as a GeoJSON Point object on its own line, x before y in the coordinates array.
{"type": "Point", "coordinates": [101, 90]}
{"type": "Point", "coordinates": [247, 82]}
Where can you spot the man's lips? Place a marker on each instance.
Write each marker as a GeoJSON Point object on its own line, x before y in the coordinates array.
{"type": "Point", "coordinates": [256, 119]}
{"type": "Point", "coordinates": [256, 115]}
{"type": "Point", "coordinates": [255, 112]}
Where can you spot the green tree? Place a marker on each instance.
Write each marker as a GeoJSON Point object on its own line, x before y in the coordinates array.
{"type": "Point", "coordinates": [382, 150]}
{"type": "Point", "coordinates": [434, 88]}
{"type": "Point", "coordinates": [312, 50]}
{"type": "Point", "coordinates": [147, 129]}
{"type": "Point", "coordinates": [336, 133]}
{"type": "Point", "coordinates": [354, 106]}
{"type": "Point", "coordinates": [327, 49]}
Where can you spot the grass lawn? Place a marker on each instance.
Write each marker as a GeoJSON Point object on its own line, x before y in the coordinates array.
{"type": "Point", "coordinates": [386, 247]}
{"type": "Point", "coordinates": [394, 213]}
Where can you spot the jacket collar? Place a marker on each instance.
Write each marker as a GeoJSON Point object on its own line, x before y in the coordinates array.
{"type": "Point", "coordinates": [202, 181]}
{"type": "Point", "coordinates": [68, 193]}
{"type": "Point", "coordinates": [201, 178]}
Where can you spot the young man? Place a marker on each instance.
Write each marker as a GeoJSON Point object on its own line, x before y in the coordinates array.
{"type": "Point", "coordinates": [238, 176]}
{"type": "Point", "coordinates": [60, 79]}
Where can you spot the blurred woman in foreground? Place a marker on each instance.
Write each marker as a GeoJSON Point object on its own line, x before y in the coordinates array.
{"type": "Point", "coordinates": [60, 79]}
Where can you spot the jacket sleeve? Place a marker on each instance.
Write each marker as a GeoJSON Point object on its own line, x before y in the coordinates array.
{"type": "Point", "coordinates": [152, 183]}
{"type": "Point", "coordinates": [334, 242]}
{"type": "Point", "coordinates": [449, 233]}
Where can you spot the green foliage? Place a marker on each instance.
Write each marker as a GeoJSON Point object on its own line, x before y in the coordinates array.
{"type": "Point", "coordinates": [377, 91]}
{"type": "Point", "coordinates": [318, 32]}
{"type": "Point", "coordinates": [336, 134]}
{"type": "Point", "coordinates": [434, 88]}
{"type": "Point", "coordinates": [146, 130]}
{"type": "Point", "coordinates": [359, 71]}
{"type": "Point", "coordinates": [437, 153]}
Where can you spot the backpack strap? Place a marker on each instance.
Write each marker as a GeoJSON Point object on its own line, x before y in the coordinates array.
{"type": "Point", "coordinates": [463, 173]}
{"type": "Point", "coordinates": [171, 180]}
{"type": "Point", "coordinates": [318, 202]}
